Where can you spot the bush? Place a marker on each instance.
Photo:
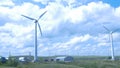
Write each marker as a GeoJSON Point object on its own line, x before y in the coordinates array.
{"type": "Point", "coordinates": [3, 60]}
{"type": "Point", "coordinates": [12, 62]}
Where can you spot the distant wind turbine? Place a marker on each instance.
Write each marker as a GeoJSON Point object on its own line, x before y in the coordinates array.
{"type": "Point", "coordinates": [36, 23]}
{"type": "Point", "coordinates": [111, 41]}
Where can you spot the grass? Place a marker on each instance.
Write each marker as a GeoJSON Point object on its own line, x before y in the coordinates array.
{"type": "Point", "coordinates": [97, 64]}
{"type": "Point", "coordinates": [6, 67]}
{"type": "Point", "coordinates": [79, 62]}
{"type": "Point", "coordinates": [48, 65]}
{"type": "Point", "coordinates": [76, 64]}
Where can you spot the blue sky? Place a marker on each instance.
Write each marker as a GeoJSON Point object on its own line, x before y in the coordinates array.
{"type": "Point", "coordinates": [70, 27]}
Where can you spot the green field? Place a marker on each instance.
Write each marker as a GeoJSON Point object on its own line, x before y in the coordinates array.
{"type": "Point", "coordinates": [6, 67]}
{"type": "Point", "coordinates": [79, 62]}
{"type": "Point", "coordinates": [48, 65]}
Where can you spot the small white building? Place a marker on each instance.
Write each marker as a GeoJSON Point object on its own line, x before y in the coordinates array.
{"type": "Point", "coordinates": [25, 59]}
{"type": "Point", "coordinates": [22, 59]}
{"type": "Point", "coordinates": [64, 59]}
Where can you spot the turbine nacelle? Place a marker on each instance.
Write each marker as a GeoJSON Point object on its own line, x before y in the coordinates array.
{"type": "Point", "coordinates": [36, 21]}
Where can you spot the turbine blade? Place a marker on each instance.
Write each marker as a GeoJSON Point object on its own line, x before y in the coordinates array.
{"type": "Point", "coordinates": [28, 17]}
{"type": "Point", "coordinates": [40, 29]}
{"type": "Point", "coordinates": [106, 28]}
{"type": "Point", "coordinates": [42, 15]}
{"type": "Point", "coordinates": [116, 30]}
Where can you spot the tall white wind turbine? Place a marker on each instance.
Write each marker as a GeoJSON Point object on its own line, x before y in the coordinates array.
{"type": "Point", "coordinates": [36, 23]}
{"type": "Point", "coordinates": [111, 41]}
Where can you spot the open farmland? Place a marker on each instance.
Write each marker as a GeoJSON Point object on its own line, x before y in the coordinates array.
{"type": "Point", "coordinates": [79, 62]}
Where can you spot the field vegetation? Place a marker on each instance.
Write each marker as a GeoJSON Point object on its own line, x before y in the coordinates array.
{"type": "Point", "coordinates": [79, 62]}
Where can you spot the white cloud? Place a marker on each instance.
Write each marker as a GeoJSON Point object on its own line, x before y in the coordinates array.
{"type": "Point", "coordinates": [89, 12]}
{"type": "Point", "coordinates": [6, 3]}
{"type": "Point", "coordinates": [103, 44]}
{"type": "Point", "coordinates": [85, 15]}
{"type": "Point", "coordinates": [15, 12]}
{"type": "Point", "coordinates": [77, 47]}
{"type": "Point", "coordinates": [4, 11]}
{"type": "Point", "coordinates": [17, 30]}
{"type": "Point", "coordinates": [86, 38]}
{"type": "Point", "coordinates": [78, 39]}
{"type": "Point", "coordinates": [117, 12]}
{"type": "Point", "coordinates": [42, 1]}
{"type": "Point", "coordinates": [102, 38]}
{"type": "Point", "coordinates": [116, 37]}
{"type": "Point", "coordinates": [68, 45]}
{"type": "Point", "coordinates": [71, 3]}
{"type": "Point", "coordinates": [15, 35]}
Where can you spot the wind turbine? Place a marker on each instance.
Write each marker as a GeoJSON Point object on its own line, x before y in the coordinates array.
{"type": "Point", "coordinates": [111, 41]}
{"type": "Point", "coordinates": [36, 23]}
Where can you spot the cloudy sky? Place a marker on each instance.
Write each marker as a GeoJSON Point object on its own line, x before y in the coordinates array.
{"type": "Point", "coordinates": [70, 27]}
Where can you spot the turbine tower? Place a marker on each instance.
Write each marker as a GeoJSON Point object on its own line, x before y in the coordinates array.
{"type": "Point", "coordinates": [36, 23]}
{"type": "Point", "coordinates": [111, 42]}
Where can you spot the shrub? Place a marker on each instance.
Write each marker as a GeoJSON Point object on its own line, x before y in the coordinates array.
{"type": "Point", "coordinates": [12, 62]}
{"type": "Point", "coordinates": [3, 60]}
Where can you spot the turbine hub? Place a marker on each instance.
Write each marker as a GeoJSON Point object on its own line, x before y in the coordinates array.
{"type": "Point", "coordinates": [36, 21]}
